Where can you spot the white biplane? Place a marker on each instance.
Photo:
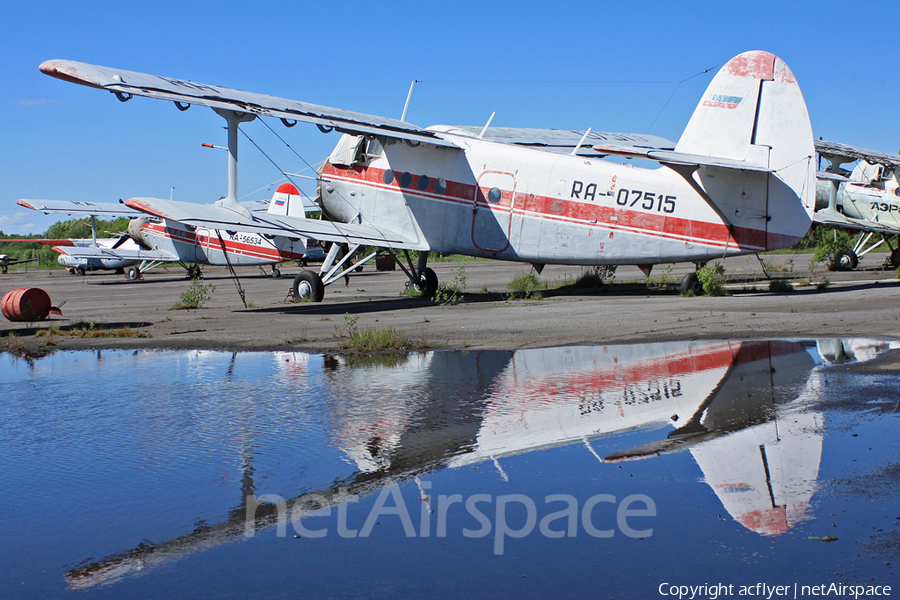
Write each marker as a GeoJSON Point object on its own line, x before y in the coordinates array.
{"type": "Point", "coordinates": [740, 180]}
{"type": "Point", "coordinates": [151, 241]}
{"type": "Point", "coordinates": [865, 199]}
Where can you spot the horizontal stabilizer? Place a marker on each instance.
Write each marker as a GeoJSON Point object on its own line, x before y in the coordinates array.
{"type": "Point", "coordinates": [218, 217]}
{"type": "Point", "coordinates": [682, 158]}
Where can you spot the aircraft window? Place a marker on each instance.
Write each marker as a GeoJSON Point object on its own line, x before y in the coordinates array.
{"type": "Point", "coordinates": [423, 182]}
{"type": "Point", "coordinates": [494, 195]}
{"type": "Point", "coordinates": [373, 149]}
{"type": "Point", "coordinates": [406, 179]}
{"type": "Point", "coordinates": [440, 185]}
{"type": "Point", "coordinates": [388, 177]}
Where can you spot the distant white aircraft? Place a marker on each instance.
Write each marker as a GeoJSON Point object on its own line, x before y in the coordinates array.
{"type": "Point", "coordinates": [865, 199]}
{"type": "Point", "coordinates": [6, 262]}
{"type": "Point", "coordinates": [740, 180]}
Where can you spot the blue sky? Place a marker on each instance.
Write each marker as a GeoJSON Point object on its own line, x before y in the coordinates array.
{"type": "Point", "coordinates": [617, 66]}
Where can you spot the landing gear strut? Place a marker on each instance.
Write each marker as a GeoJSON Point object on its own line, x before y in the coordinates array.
{"type": "Point", "coordinates": [421, 277]}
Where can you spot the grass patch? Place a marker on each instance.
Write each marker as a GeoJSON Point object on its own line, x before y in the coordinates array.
{"type": "Point", "coordinates": [452, 293]}
{"type": "Point", "coordinates": [369, 341]}
{"type": "Point", "coordinates": [780, 286]}
{"type": "Point", "coordinates": [195, 296]}
{"type": "Point", "coordinates": [12, 343]}
{"type": "Point", "coordinates": [713, 278]}
{"type": "Point", "coordinates": [526, 286]}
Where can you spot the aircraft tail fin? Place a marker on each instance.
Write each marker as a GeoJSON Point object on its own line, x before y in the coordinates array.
{"type": "Point", "coordinates": [753, 112]}
{"type": "Point", "coordinates": [287, 202]}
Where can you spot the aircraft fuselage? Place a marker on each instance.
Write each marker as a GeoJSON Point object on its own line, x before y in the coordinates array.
{"type": "Point", "coordinates": [531, 205]}
{"type": "Point", "coordinates": [204, 246]}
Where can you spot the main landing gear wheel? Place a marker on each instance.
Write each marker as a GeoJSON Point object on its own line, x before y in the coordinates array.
{"type": "Point", "coordinates": [691, 283]}
{"type": "Point", "coordinates": [276, 273]}
{"type": "Point", "coordinates": [132, 274]}
{"type": "Point", "coordinates": [895, 258]}
{"type": "Point", "coordinates": [194, 272]}
{"type": "Point", "coordinates": [308, 287]}
{"type": "Point", "coordinates": [845, 260]}
{"type": "Point", "coordinates": [80, 271]}
{"type": "Point", "coordinates": [428, 282]}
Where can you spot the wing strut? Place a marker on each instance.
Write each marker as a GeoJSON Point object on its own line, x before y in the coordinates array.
{"type": "Point", "coordinates": [234, 118]}
{"type": "Point", "coordinates": [237, 282]}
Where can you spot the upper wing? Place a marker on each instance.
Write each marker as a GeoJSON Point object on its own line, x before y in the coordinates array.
{"type": "Point", "coordinates": [127, 83]}
{"type": "Point", "coordinates": [217, 217]}
{"type": "Point", "coordinates": [838, 220]}
{"type": "Point", "coordinates": [851, 153]}
{"type": "Point", "coordinates": [562, 140]}
{"type": "Point", "coordinates": [120, 253]}
{"type": "Point", "coordinates": [69, 207]}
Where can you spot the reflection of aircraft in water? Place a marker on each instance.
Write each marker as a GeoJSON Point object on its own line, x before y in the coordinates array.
{"type": "Point", "coordinates": [736, 406]}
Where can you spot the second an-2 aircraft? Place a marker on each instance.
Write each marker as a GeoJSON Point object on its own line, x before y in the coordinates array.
{"type": "Point", "coordinates": [151, 241]}
{"type": "Point", "coordinates": [740, 180]}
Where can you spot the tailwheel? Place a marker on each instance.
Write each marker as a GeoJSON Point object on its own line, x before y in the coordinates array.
{"type": "Point", "coordinates": [308, 287]}
{"type": "Point", "coordinates": [428, 282]}
{"type": "Point", "coordinates": [845, 260]}
{"type": "Point", "coordinates": [692, 284]}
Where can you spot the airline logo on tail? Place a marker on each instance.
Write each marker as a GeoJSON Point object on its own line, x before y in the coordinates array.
{"type": "Point", "coordinates": [284, 191]}
{"type": "Point", "coordinates": [720, 101]}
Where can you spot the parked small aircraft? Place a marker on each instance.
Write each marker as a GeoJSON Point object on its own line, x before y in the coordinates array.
{"type": "Point", "coordinates": [865, 199]}
{"type": "Point", "coordinates": [740, 180]}
{"type": "Point", "coordinates": [151, 241]}
{"type": "Point", "coordinates": [6, 262]}
{"type": "Point", "coordinates": [79, 255]}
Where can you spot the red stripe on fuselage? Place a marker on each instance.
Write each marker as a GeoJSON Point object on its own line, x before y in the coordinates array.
{"type": "Point", "coordinates": [558, 209]}
{"type": "Point", "coordinates": [231, 246]}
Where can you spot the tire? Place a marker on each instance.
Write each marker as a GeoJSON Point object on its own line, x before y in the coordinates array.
{"type": "Point", "coordinates": [276, 273]}
{"type": "Point", "coordinates": [132, 274]}
{"type": "Point", "coordinates": [845, 260]}
{"type": "Point", "coordinates": [691, 283]}
{"type": "Point", "coordinates": [895, 258]}
{"type": "Point", "coordinates": [308, 287]}
{"type": "Point", "coordinates": [80, 271]}
{"type": "Point", "coordinates": [428, 282]}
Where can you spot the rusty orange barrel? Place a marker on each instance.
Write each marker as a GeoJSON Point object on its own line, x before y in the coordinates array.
{"type": "Point", "coordinates": [26, 304]}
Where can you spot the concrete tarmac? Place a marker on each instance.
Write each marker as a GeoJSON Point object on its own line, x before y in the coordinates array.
{"type": "Point", "coordinates": [861, 303]}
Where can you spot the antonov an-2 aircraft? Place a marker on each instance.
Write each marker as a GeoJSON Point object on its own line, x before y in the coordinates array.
{"type": "Point", "coordinates": [740, 180]}
{"type": "Point", "coordinates": [151, 241]}
{"type": "Point", "coordinates": [865, 199]}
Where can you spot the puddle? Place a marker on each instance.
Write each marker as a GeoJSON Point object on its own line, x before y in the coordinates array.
{"type": "Point", "coordinates": [604, 471]}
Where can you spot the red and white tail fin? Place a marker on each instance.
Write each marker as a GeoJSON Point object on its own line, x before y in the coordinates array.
{"type": "Point", "coordinates": [753, 111]}
{"type": "Point", "coordinates": [287, 201]}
